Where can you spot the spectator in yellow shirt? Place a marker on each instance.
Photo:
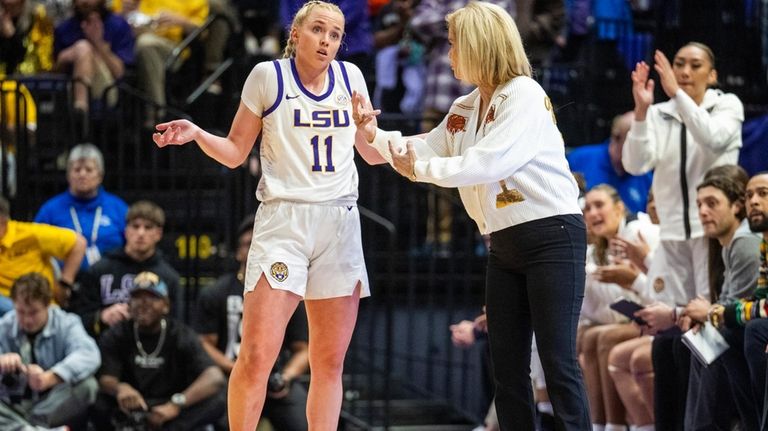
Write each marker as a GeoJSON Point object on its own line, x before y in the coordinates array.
{"type": "Point", "coordinates": [159, 25]}
{"type": "Point", "coordinates": [29, 247]}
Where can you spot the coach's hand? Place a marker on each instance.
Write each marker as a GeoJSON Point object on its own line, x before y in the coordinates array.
{"type": "Point", "coordinates": [177, 132]}
{"type": "Point", "coordinates": [404, 162]}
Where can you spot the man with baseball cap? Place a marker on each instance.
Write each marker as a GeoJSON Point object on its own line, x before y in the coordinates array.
{"type": "Point", "coordinates": [155, 368]}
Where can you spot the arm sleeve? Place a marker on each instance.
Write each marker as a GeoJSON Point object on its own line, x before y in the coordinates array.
{"type": "Point", "coordinates": [55, 241]}
{"type": "Point", "coordinates": [716, 130]}
{"type": "Point", "coordinates": [745, 266]}
{"type": "Point", "coordinates": [259, 91]}
{"type": "Point", "coordinates": [639, 154]}
{"type": "Point", "coordinates": [509, 145]}
{"type": "Point", "coordinates": [428, 21]}
{"type": "Point", "coordinates": [82, 355]}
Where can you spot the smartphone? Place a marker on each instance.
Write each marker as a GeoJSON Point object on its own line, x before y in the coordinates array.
{"type": "Point", "coordinates": [628, 308]}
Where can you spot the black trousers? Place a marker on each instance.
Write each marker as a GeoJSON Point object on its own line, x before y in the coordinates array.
{"type": "Point", "coordinates": [535, 283]}
{"type": "Point", "coordinates": [671, 366]}
{"type": "Point", "coordinates": [721, 391]}
{"type": "Point", "coordinates": [755, 340]}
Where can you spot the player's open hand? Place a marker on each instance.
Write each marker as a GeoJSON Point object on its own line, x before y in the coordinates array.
{"type": "Point", "coordinates": [642, 87]}
{"type": "Point", "coordinates": [666, 74]}
{"type": "Point", "coordinates": [177, 132]}
{"type": "Point", "coordinates": [364, 115]}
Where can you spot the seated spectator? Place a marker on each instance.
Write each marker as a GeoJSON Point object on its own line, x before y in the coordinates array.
{"type": "Point", "coordinates": [601, 164]}
{"type": "Point", "coordinates": [48, 361]}
{"type": "Point", "coordinates": [102, 299]}
{"type": "Point", "coordinates": [29, 247]}
{"type": "Point", "coordinates": [159, 26]}
{"type": "Point", "coordinates": [607, 219]}
{"type": "Point", "coordinates": [219, 319]}
{"type": "Point", "coordinates": [155, 372]}
{"type": "Point", "coordinates": [723, 215]}
{"type": "Point", "coordinates": [94, 46]}
{"type": "Point", "coordinates": [752, 312]}
{"type": "Point", "coordinates": [664, 320]}
{"type": "Point", "coordinates": [85, 207]}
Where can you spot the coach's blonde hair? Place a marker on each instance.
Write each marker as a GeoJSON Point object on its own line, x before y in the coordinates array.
{"type": "Point", "coordinates": [298, 20]}
{"type": "Point", "coordinates": [490, 50]}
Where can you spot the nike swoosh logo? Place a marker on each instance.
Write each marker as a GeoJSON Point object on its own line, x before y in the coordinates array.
{"type": "Point", "coordinates": [287, 97]}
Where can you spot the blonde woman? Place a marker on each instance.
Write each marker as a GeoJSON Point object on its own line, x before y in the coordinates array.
{"type": "Point", "coordinates": [501, 147]}
{"type": "Point", "coordinates": [302, 105]}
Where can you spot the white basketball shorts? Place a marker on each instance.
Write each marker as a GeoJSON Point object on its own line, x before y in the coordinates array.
{"type": "Point", "coordinates": [312, 250]}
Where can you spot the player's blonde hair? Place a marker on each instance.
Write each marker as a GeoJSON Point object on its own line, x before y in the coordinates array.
{"type": "Point", "coordinates": [298, 20]}
{"type": "Point", "coordinates": [490, 50]}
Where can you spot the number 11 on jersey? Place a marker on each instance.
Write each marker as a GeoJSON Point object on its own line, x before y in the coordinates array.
{"type": "Point", "coordinates": [316, 167]}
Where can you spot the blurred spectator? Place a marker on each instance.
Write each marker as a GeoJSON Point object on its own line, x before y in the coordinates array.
{"type": "Point", "coordinates": [48, 361]}
{"type": "Point", "coordinates": [261, 26]}
{"type": "Point", "coordinates": [86, 207]}
{"type": "Point", "coordinates": [155, 373]}
{"type": "Point", "coordinates": [57, 10]}
{"type": "Point", "coordinates": [159, 26]}
{"type": "Point", "coordinates": [94, 46]}
{"type": "Point", "coordinates": [102, 299]}
{"type": "Point", "coordinates": [219, 322]}
{"type": "Point", "coordinates": [218, 37]}
{"type": "Point", "coordinates": [540, 22]}
{"type": "Point", "coordinates": [26, 38]}
{"type": "Point", "coordinates": [29, 247]}
{"type": "Point", "coordinates": [26, 48]}
{"type": "Point", "coordinates": [601, 164]}
{"type": "Point", "coordinates": [400, 67]}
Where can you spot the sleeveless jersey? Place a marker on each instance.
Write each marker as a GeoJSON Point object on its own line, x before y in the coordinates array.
{"type": "Point", "coordinates": [307, 146]}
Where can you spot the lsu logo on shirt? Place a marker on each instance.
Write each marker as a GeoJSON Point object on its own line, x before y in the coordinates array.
{"type": "Point", "coordinates": [321, 119]}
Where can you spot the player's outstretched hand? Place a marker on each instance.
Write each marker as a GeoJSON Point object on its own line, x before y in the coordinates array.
{"type": "Point", "coordinates": [364, 115]}
{"type": "Point", "coordinates": [642, 88]}
{"type": "Point", "coordinates": [666, 74]}
{"type": "Point", "coordinates": [176, 132]}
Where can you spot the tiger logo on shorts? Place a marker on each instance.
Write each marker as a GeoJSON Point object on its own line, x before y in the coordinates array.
{"type": "Point", "coordinates": [279, 271]}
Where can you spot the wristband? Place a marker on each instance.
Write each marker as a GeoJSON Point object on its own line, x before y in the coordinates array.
{"type": "Point", "coordinates": [382, 140]}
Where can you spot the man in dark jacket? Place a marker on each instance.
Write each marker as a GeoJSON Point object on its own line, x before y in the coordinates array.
{"type": "Point", "coordinates": [102, 299]}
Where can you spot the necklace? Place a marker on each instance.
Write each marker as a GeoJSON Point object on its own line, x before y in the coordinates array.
{"type": "Point", "coordinates": [160, 342]}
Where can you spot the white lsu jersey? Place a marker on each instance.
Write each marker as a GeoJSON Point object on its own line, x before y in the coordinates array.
{"type": "Point", "coordinates": [307, 146]}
